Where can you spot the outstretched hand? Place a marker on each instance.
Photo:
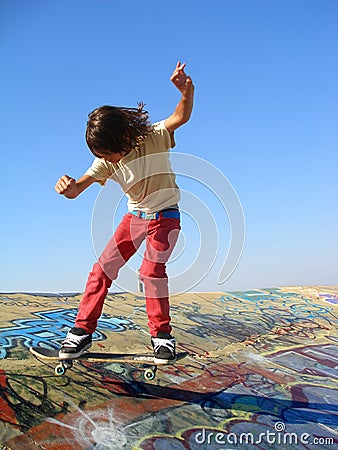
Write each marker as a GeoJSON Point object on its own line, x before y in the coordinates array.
{"type": "Point", "coordinates": [181, 80]}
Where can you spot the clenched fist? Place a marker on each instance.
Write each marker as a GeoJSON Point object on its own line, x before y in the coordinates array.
{"type": "Point", "coordinates": [67, 186]}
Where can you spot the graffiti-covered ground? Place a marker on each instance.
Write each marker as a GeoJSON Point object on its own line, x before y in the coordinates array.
{"type": "Point", "coordinates": [261, 373]}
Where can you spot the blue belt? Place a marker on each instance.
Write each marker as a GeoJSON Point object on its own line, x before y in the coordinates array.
{"type": "Point", "coordinates": [167, 214]}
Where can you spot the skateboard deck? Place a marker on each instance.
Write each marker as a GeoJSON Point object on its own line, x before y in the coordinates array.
{"type": "Point", "coordinates": [143, 359]}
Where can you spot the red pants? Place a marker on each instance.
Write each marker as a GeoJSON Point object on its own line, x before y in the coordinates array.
{"type": "Point", "coordinates": [161, 236]}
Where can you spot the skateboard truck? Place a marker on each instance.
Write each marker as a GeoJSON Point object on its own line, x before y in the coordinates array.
{"type": "Point", "coordinates": [61, 369]}
{"type": "Point", "coordinates": [63, 366]}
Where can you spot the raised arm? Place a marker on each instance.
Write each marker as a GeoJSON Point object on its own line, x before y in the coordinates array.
{"type": "Point", "coordinates": [183, 109]}
{"type": "Point", "coordinates": [71, 188]}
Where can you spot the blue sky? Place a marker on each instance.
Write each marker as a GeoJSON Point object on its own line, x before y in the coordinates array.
{"type": "Point", "coordinates": [265, 116]}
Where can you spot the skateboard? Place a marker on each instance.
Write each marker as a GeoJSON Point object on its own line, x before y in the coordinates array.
{"type": "Point", "coordinates": [145, 360]}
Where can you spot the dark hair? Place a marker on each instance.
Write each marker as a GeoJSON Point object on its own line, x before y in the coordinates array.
{"type": "Point", "coordinates": [112, 129]}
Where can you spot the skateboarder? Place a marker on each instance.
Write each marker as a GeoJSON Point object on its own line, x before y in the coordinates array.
{"type": "Point", "coordinates": [135, 154]}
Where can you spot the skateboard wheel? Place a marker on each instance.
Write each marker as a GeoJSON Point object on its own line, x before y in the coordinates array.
{"type": "Point", "coordinates": [149, 374]}
{"type": "Point", "coordinates": [60, 370]}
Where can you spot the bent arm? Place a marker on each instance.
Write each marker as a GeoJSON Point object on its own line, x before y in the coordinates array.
{"type": "Point", "coordinates": [71, 188]}
{"type": "Point", "coordinates": [183, 110]}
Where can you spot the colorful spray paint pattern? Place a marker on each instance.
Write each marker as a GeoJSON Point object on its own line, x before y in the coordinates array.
{"type": "Point", "coordinates": [261, 373]}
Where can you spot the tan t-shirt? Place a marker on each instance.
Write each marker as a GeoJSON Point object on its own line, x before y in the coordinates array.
{"type": "Point", "coordinates": [144, 174]}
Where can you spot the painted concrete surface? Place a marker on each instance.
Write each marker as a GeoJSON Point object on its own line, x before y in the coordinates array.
{"type": "Point", "coordinates": [261, 373]}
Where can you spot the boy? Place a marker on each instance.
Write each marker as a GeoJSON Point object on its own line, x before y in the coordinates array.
{"type": "Point", "coordinates": [135, 154]}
